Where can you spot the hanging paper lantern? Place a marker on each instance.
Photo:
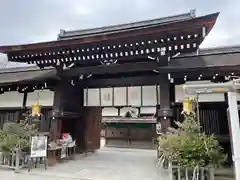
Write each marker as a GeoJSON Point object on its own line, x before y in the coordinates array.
{"type": "Point", "coordinates": [188, 105]}
{"type": "Point", "coordinates": [36, 110]}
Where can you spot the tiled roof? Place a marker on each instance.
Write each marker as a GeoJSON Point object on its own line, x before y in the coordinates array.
{"type": "Point", "coordinates": [124, 27]}
{"type": "Point", "coordinates": [19, 74]}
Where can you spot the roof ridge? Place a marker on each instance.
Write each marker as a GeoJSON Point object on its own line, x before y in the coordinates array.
{"type": "Point", "coordinates": [213, 51]}
{"type": "Point", "coordinates": [167, 19]}
{"type": "Point", "coordinates": [220, 47]}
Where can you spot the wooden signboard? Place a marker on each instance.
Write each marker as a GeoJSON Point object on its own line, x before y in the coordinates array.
{"type": "Point", "coordinates": [38, 146]}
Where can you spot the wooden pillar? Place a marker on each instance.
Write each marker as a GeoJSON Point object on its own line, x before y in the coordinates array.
{"type": "Point", "coordinates": [80, 124]}
{"type": "Point", "coordinates": [164, 111]}
{"type": "Point", "coordinates": [68, 97]}
{"type": "Point", "coordinates": [57, 108]}
{"type": "Point", "coordinates": [23, 108]}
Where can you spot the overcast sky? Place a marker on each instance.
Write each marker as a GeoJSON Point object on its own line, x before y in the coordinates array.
{"type": "Point", "coordinates": [29, 21]}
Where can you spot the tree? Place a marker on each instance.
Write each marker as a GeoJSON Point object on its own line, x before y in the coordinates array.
{"type": "Point", "coordinates": [187, 146]}
{"type": "Point", "coordinates": [15, 135]}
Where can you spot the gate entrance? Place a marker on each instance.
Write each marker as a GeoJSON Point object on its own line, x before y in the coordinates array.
{"type": "Point", "coordinates": [132, 65]}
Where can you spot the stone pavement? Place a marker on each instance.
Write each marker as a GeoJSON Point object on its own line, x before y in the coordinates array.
{"type": "Point", "coordinates": [105, 164]}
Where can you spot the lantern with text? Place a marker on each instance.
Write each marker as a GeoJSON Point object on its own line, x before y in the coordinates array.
{"type": "Point", "coordinates": [188, 106]}
{"type": "Point", "coordinates": [36, 110]}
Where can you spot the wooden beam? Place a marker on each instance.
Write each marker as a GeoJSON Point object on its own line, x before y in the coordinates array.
{"type": "Point", "coordinates": [112, 69]}
{"type": "Point", "coordinates": [118, 82]}
{"type": "Point", "coordinates": [204, 70]}
{"type": "Point", "coordinates": [154, 79]}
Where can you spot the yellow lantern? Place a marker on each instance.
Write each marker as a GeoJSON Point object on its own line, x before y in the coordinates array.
{"type": "Point", "coordinates": [36, 110]}
{"type": "Point", "coordinates": [188, 105]}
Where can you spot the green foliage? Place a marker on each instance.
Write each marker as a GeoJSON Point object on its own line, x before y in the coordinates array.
{"type": "Point", "coordinates": [15, 135]}
{"type": "Point", "coordinates": [188, 147]}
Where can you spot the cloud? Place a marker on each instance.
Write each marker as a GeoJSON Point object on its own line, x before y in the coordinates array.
{"type": "Point", "coordinates": [32, 21]}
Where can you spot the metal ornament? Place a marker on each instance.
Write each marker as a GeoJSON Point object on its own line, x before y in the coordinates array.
{"type": "Point", "coordinates": [36, 110]}
{"type": "Point", "coordinates": [159, 128]}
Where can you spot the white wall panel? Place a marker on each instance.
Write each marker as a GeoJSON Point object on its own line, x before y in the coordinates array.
{"type": "Point", "coordinates": [11, 99]}
{"type": "Point", "coordinates": [44, 97]}
{"type": "Point", "coordinates": [134, 96]}
{"type": "Point", "coordinates": [93, 97]}
{"type": "Point", "coordinates": [124, 110]}
{"type": "Point", "coordinates": [211, 97]}
{"type": "Point", "coordinates": [149, 95]}
{"type": "Point", "coordinates": [106, 96]}
{"type": "Point", "coordinates": [158, 93]}
{"type": "Point", "coordinates": [148, 110]}
{"type": "Point", "coordinates": [180, 94]}
{"type": "Point", "coordinates": [110, 111]}
{"type": "Point", "coordinates": [238, 96]}
{"type": "Point", "coordinates": [85, 96]}
{"type": "Point", "coordinates": [120, 96]}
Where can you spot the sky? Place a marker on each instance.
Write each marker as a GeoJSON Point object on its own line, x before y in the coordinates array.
{"type": "Point", "coordinates": [29, 21]}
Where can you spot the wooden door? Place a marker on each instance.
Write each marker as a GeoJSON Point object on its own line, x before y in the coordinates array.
{"type": "Point", "coordinates": [93, 117]}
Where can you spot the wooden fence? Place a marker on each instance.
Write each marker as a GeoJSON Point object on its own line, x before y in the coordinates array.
{"type": "Point", "coordinates": [179, 173]}
{"type": "Point", "coordinates": [14, 160]}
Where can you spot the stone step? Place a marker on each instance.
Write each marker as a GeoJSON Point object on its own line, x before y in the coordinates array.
{"type": "Point", "coordinates": [224, 174]}
{"type": "Point", "coordinates": [223, 178]}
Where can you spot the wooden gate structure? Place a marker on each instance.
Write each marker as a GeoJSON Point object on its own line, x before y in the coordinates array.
{"type": "Point", "coordinates": [161, 52]}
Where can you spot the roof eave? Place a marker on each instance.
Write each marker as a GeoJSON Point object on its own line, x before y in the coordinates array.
{"type": "Point", "coordinates": [210, 18]}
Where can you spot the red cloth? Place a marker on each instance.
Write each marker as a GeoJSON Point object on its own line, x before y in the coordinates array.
{"type": "Point", "coordinates": [65, 135]}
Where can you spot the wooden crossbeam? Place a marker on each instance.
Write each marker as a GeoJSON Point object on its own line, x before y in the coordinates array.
{"type": "Point", "coordinates": [112, 69]}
